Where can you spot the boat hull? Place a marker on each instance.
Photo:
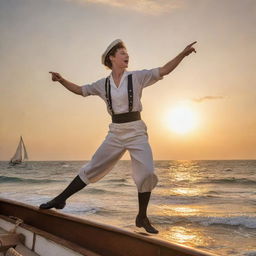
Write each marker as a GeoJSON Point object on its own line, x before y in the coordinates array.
{"type": "Point", "coordinates": [99, 238]}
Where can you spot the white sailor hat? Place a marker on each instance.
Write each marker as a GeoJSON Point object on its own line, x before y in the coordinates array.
{"type": "Point", "coordinates": [104, 55]}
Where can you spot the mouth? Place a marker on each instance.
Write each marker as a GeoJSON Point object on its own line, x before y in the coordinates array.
{"type": "Point", "coordinates": [126, 61]}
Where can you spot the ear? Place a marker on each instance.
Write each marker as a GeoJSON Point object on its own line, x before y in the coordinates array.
{"type": "Point", "coordinates": [111, 57]}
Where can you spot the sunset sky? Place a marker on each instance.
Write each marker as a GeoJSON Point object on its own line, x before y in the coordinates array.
{"type": "Point", "coordinates": [216, 85]}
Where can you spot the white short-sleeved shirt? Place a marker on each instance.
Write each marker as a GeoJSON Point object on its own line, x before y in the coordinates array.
{"type": "Point", "coordinates": [119, 95]}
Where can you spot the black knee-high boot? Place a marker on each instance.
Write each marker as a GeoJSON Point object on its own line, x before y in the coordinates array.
{"type": "Point", "coordinates": [142, 219]}
{"type": "Point", "coordinates": [59, 201]}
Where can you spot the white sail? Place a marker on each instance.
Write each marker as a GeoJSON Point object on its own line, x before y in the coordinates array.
{"type": "Point", "coordinates": [18, 154]}
{"type": "Point", "coordinates": [18, 158]}
{"type": "Point", "coordinates": [25, 151]}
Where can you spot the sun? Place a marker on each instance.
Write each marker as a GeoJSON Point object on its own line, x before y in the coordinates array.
{"type": "Point", "coordinates": [182, 119]}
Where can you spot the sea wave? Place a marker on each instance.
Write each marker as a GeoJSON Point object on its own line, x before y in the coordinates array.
{"type": "Point", "coordinates": [80, 209]}
{"type": "Point", "coordinates": [245, 221]}
{"type": "Point", "coordinates": [186, 199]}
{"type": "Point", "coordinates": [229, 180]}
{"type": "Point", "coordinates": [92, 190]}
{"type": "Point", "coordinates": [98, 191]}
{"type": "Point", "coordinates": [250, 253]}
{"type": "Point", "coordinates": [117, 180]}
{"type": "Point", "coordinates": [8, 179]}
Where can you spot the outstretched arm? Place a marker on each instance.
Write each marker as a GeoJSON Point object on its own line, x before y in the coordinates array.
{"type": "Point", "coordinates": [171, 65]}
{"type": "Point", "coordinates": [69, 85]}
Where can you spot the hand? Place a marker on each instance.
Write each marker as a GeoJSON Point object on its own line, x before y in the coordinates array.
{"type": "Point", "coordinates": [189, 49]}
{"type": "Point", "coordinates": [56, 76]}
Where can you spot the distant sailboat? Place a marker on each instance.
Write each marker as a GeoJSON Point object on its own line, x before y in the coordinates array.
{"type": "Point", "coordinates": [20, 154]}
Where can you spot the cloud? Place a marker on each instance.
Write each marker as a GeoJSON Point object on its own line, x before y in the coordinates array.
{"type": "Point", "coordinates": [208, 98]}
{"type": "Point", "coordinates": [151, 7]}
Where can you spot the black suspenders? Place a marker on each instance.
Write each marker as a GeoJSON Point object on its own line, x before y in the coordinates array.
{"type": "Point", "coordinates": [108, 95]}
{"type": "Point", "coordinates": [130, 93]}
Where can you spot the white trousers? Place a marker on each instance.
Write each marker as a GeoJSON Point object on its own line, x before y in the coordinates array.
{"type": "Point", "coordinates": [130, 136]}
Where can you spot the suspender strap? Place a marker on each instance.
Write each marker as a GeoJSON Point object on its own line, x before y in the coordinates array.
{"type": "Point", "coordinates": [130, 92]}
{"type": "Point", "coordinates": [108, 95]}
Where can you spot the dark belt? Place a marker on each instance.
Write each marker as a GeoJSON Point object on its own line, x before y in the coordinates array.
{"type": "Point", "coordinates": [126, 117]}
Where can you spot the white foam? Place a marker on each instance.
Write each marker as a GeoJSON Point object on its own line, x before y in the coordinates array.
{"type": "Point", "coordinates": [251, 253]}
{"type": "Point", "coordinates": [246, 221]}
{"type": "Point", "coordinates": [80, 209]}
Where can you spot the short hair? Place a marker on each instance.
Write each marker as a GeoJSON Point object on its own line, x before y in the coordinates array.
{"type": "Point", "coordinates": [112, 52]}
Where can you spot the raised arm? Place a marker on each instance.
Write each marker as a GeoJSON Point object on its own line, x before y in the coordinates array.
{"type": "Point", "coordinates": [171, 65]}
{"type": "Point", "coordinates": [56, 77]}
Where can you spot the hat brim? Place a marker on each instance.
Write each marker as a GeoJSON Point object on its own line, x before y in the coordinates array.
{"type": "Point", "coordinates": [109, 48]}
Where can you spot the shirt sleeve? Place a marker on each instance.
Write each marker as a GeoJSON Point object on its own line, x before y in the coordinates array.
{"type": "Point", "coordinates": [93, 88]}
{"type": "Point", "coordinates": [147, 77]}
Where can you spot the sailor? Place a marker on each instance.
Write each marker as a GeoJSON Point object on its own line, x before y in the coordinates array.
{"type": "Point", "coordinates": [121, 91]}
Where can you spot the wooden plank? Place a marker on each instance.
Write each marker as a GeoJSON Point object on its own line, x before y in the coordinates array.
{"type": "Point", "coordinates": [57, 240]}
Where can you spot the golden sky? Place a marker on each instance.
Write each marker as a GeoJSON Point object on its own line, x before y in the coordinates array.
{"type": "Point", "coordinates": [216, 85]}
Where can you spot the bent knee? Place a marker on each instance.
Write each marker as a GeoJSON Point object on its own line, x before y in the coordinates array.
{"type": "Point", "coordinates": [148, 183]}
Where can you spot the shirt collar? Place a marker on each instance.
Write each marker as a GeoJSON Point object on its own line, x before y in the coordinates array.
{"type": "Point", "coordinates": [125, 74]}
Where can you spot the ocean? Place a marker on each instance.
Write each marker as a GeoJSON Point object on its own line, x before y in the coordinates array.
{"type": "Point", "coordinates": [209, 205]}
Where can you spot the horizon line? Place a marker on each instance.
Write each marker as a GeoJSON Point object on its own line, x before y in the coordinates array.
{"type": "Point", "coordinates": [80, 160]}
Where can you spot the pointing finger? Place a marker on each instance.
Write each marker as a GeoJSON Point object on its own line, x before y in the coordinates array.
{"type": "Point", "coordinates": [192, 43]}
